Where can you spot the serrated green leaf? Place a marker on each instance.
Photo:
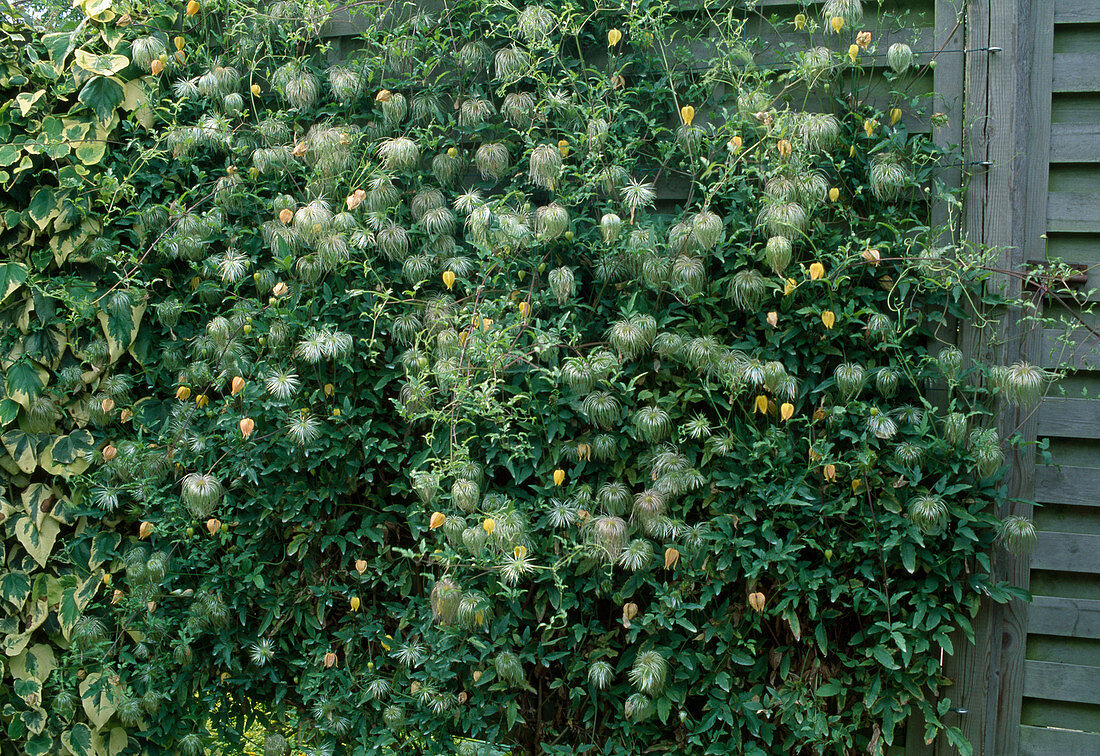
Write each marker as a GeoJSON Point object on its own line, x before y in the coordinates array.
{"type": "Point", "coordinates": [909, 557]}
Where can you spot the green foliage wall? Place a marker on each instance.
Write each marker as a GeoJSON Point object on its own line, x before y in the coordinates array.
{"type": "Point", "coordinates": [510, 386]}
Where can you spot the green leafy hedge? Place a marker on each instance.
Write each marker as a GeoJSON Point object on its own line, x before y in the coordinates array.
{"type": "Point", "coordinates": [526, 380]}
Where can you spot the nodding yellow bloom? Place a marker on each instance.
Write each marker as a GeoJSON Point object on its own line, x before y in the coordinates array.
{"type": "Point", "coordinates": [789, 286]}
{"type": "Point", "coordinates": [828, 318]}
{"type": "Point", "coordinates": [179, 42]}
{"type": "Point", "coordinates": [830, 472]}
{"type": "Point", "coordinates": [756, 601]}
{"type": "Point", "coordinates": [817, 270]}
{"type": "Point", "coordinates": [183, 393]}
{"type": "Point", "coordinates": [800, 21]}
{"type": "Point", "coordinates": [563, 147]}
{"type": "Point", "coordinates": [735, 143]}
{"type": "Point", "coordinates": [237, 385]}
{"type": "Point", "coordinates": [255, 89]}
{"type": "Point", "coordinates": [192, 7]}
{"type": "Point", "coordinates": [786, 411]}
{"type": "Point", "coordinates": [280, 289]}
{"type": "Point", "coordinates": [383, 95]}
{"type": "Point", "coordinates": [613, 37]}
{"type": "Point", "coordinates": [448, 279]}
{"type": "Point", "coordinates": [853, 52]}
{"type": "Point", "coordinates": [360, 566]}
{"type": "Point", "coordinates": [354, 603]}
{"type": "Point", "coordinates": [329, 389]}
{"type": "Point", "coordinates": [834, 194]}
{"type": "Point", "coordinates": [672, 556]}
{"type": "Point", "coordinates": [519, 552]}
{"type": "Point", "coordinates": [773, 319]}
{"type": "Point", "coordinates": [761, 404]}
{"type": "Point", "coordinates": [524, 309]}
{"type": "Point", "coordinates": [895, 115]}
{"type": "Point", "coordinates": [687, 114]}
{"type": "Point", "coordinates": [784, 147]}
{"type": "Point", "coordinates": [386, 645]}
{"type": "Point", "coordinates": [145, 530]}
{"type": "Point", "coordinates": [837, 22]}
{"type": "Point", "coordinates": [489, 525]}
{"type": "Point", "coordinates": [452, 152]}
{"type": "Point", "coordinates": [869, 127]}
{"type": "Point", "coordinates": [156, 67]}
{"type": "Point", "coordinates": [247, 425]}
{"type": "Point", "coordinates": [286, 215]}
{"type": "Point", "coordinates": [871, 256]}
{"type": "Point", "coordinates": [202, 400]}
{"type": "Point", "coordinates": [852, 151]}
{"type": "Point", "coordinates": [437, 520]}
{"type": "Point", "coordinates": [485, 323]}
{"type": "Point", "coordinates": [559, 477]}
{"type": "Point", "coordinates": [462, 336]}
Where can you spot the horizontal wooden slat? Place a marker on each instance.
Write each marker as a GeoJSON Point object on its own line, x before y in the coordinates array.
{"type": "Point", "coordinates": [1076, 12]}
{"type": "Point", "coordinates": [1079, 486]}
{"type": "Point", "coordinates": [1067, 552]}
{"type": "Point", "coordinates": [1069, 418]}
{"type": "Point", "coordinates": [1074, 211]}
{"type": "Point", "coordinates": [1077, 350]}
{"type": "Point", "coordinates": [1077, 72]}
{"type": "Point", "coordinates": [1071, 618]}
{"type": "Point", "coordinates": [1075, 142]}
{"type": "Point", "coordinates": [1043, 741]}
{"type": "Point", "coordinates": [1062, 682]}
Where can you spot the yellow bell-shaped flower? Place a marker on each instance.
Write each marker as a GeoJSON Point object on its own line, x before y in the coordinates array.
{"type": "Point", "coordinates": [448, 279]}
{"type": "Point", "coordinates": [613, 37]}
{"type": "Point", "coordinates": [687, 114]}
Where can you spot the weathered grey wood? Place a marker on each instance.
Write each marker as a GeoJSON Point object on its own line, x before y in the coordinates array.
{"type": "Point", "coordinates": [1076, 12]}
{"type": "Point", "coordinates": [1072, 618]}
{"type": "Point", "coordinates": [1043, 741]}
{"type": "Point", "coordinates": [1074, 212]}
{"type": "Point", "coordinates": [1062, 682]}
{"type": "Point", "coordinates": [1079, 486]}
{"type": "Point", "coordinates": [1077, 72]}
{"type": "Point", "coordinates": [1068, 552]}
{"type": "Point", "coordinates": [1077, 350]}
{"type": "Point", "coordinates": [1069, 418]}
{"type": "Point", "coordinates": [1075, 142]}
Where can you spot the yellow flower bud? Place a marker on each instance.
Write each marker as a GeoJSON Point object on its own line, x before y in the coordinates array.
{"type": "Point", "coordinates": [672, 556]}
{"type": "Point", "coordinates": [869, 127]}
{"type": "Point", "coordinates": [255, 89]}
{"type": "Point", "coordinates": [354, 603]}
{"type": "Point", "coordinates": [559, 477]}
{"type": "Point", "coordinates": [756, 601]}
{"type": "Point", "coordinates": [828, 318]}
{"type": "Point", "coordinates": [360, 566]}
{"type": "Point", "coordinates": [830, 472]}
{"type": "Point", "coordinates": [192, 7]}
{"type": "Point", "coordinates": [734, 144]}
{"type": "Point", "coordinates": [280, 289]}
{"type": "Point", "coordinates": [687, 114]}
{"type": "Point", "coordinates": [853, 52]}
{"type": "Point", "coordinates": [524, 309]}
{"type": "Point", "coordinates": [895, 115]}
{"type": "Point", "coordinates": [437, 520]}
{"type": "Point", "coordinates": [800, 21]}
{"type": "Point", "coordinates": [789, 286]}
{"type": "Point", "coordinates": [145, 530]}
{"type": "Point", "coordinates": [236, 386]}
{"type": "Point", "coordinates": [817, 270]}
{"type": "Point", "coordinates": [107, 404]}
{"type": "Point", "coordinates": [761, 404]}
{"type": "Point", "coordinates": [773, 319]}
{"type": "Point", "coordinates": [489, 525]}
{"type": "Point", "coordinates": [452, 152]}
{"type": "Point", "coordinates": [247, 425]}
{"type": "Point", "coordinates": [783, 146]}
{"type": "Point", "coordinates": [786, 411]}
{"type": "Point", "coordinates": [213, 525]}
{"type": "Point", "coordinates": [837, 22]}
{"type": "Point", "coordinates": [156, 67]}
{"type": "Point", "coordinates": [448, 279]}
{"type": "Point", "coordinates": [179, 42]}
{"type": "Point", "coordinates": [613, 37]}
{"type": "Point", "coordinates": [183, 393]}
{"type": "Point", "coordinates": [834, 194]}
{"type": "Point", "coordinates": [202, 400]}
